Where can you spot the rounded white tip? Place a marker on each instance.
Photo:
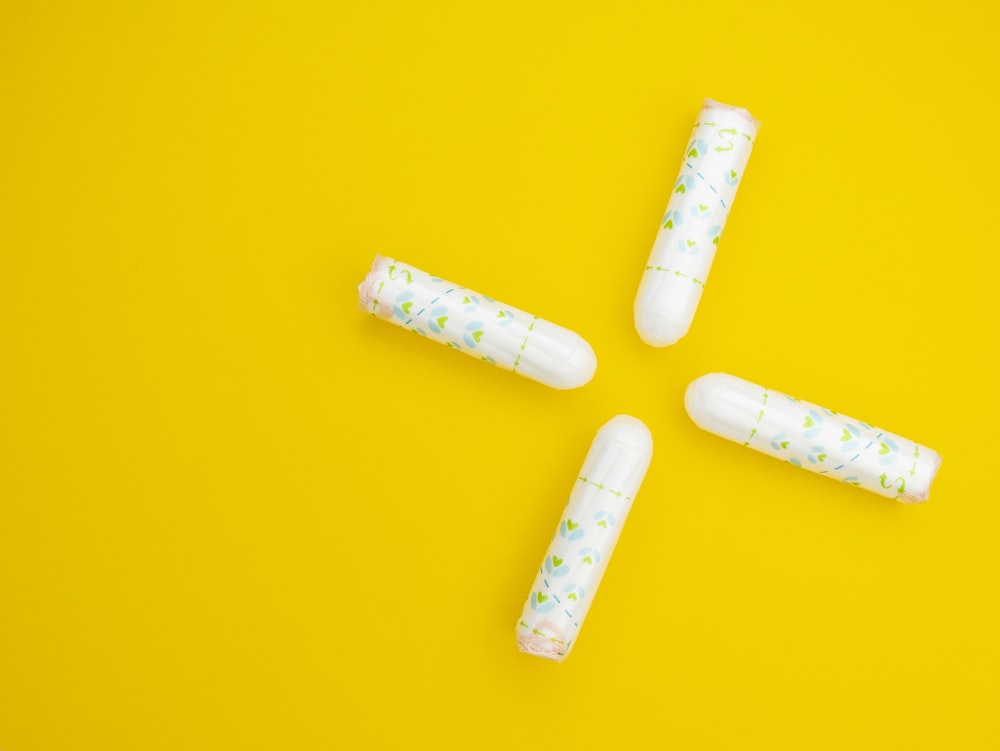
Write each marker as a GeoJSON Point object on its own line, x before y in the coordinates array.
{"type": "Point", "coordinates": [630, 432]}
{"type": "Point", "coordinates": [723, 404]}
{"type": "Point", "coordinates": [579, 367]}
{"type": "Point", "coordinates": [658, 330]}
{"type": "Point", "coordinates": [702, 394]}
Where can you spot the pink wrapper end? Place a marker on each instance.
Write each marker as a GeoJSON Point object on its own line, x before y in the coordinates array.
{"type": "Point", "coordinates": [368, 289]}
{"type": "Point", "coordinates": [539, 646]}
{"type": "Point", "coordinates": [923, 497]}
{"type": "Point", "coordinates": [742, 111]}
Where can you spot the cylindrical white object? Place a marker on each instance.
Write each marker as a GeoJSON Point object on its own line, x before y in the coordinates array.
{"type": "Point", "coordinates": [476, 325]}
{"type": "Point", "coordinates": [586, 536]}
{"type": "Point", "coordinates": [678, 266]}
{"type": "Point", "coordinates": [812, 437]}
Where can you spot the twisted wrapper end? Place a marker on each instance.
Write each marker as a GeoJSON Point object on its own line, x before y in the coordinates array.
{"type": "Point", "coordinates": [368, 289]}
{"type": "Point", "coordinates": [536, 644]}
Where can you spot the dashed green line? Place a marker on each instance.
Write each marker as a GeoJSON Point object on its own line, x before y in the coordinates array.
{"type": "Point", "coordinates": [694, 279]}
{"type": "Point", "coordinates": [377, 293]}
{"type": "Point", "coordinates": [517, 360]}
{"type": "Point", "coordinates": [600, 486]}
{"type": "Point", "coordinates": [536, 632]}
{"type": "Point", "coordinates": [760, 416]}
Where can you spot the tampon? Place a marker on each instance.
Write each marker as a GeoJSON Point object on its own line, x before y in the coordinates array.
{"type": "Point", "coordinates": [812, 437]}
{"type": "Point", "coordinates": [476, 325]}
{"type": "Point", "coordinates": [711, 171]}
{"type": "Point", "coordinates": [590, 525]}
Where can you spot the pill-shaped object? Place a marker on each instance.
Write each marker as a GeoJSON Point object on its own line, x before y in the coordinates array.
{"type": "Point", "coordinates": [586, 536]}
{"type": "Point", "coordinates": [702, 196]}
{"type": "Point", "coordinates": [476, 325]}
{"type": "Point", "coordinates": [812, 437]}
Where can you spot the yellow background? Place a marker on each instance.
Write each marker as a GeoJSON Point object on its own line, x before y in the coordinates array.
{"type": "Point", "coordinates": [237, 513]}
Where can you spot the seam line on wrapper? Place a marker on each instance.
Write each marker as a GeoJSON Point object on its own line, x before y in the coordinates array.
{"type": "Point", "coordinates": [517, 360]}
{"type": "Point", "coordinates": [536, 632]}
{"type": "Point", "coordinates": [600, 486]}
{"type": "Point", "coordinates": [375, 298]}
{"type": "Point", "coordinates": [694, 279]}
{"type": "Point", "coordinates": [760, 416]}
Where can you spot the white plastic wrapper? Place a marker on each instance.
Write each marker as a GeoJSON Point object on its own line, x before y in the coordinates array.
{"type": "Point", "coordinates": [477, 325]}
{"type": "Point", "coordinates": [812, 437]}
{"type": "Point", "coordinates": [586, 536]}
{"type": "Point", "coordinates": [711, 171]}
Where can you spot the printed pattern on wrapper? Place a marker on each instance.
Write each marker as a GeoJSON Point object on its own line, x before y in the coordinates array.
{"type": "Point", "coordinates": [559, 601]}
{"type": "Point", "coordinates": [449, 314]}
{"type": "Point", "coordinates": [578, 554]}
{"type": "Point", "coordinates": [702, 196]}
{"type": "Point", "coordinates": [824, 441]}
{"type": "Point", "coordinates": [476, 324]}
{"type": "Point", "coordinates": [820, 439]}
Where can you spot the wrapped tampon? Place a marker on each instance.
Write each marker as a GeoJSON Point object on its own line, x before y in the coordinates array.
{"type": "Point", "coordinates": [476, 325]}
{"type": "Point", "coordinates": [677, 269]}
{"type": "Point", "coordinates": [812, 437]}
{"type": "Point", "coordinates": [576, 559]}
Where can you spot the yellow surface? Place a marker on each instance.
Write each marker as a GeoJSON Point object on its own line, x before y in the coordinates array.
{"type": "Point", "coordinates": [237, 513]}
